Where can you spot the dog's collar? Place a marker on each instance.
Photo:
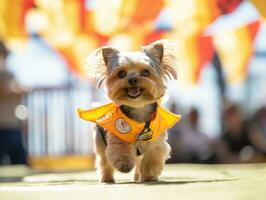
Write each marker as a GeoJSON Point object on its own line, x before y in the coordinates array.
{"type": "Point", "coordinates": [110, 117]}
{"type": "Point", "coordinates": [125, 109]}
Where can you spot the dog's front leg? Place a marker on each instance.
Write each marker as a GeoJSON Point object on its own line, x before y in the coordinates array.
{"type": "Point", "coordinates": [155, 154]}
{"type": "Point", "coordinates": [121, 155]}
{"type": "Point", "coordinates": [104, 168]}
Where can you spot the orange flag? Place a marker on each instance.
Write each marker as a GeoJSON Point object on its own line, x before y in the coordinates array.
{"type": "Point", "coordinates": [142, 14]}
{"type": "Point", "coordinates": [192, 52]}
{"type": "Point", "coordinates": [76, 53]}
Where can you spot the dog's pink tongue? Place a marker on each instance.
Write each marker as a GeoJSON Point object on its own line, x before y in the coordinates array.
{"type": "Point", "coordinates": [134, 92]}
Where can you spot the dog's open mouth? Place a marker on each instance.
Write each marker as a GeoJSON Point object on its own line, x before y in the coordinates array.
{"type": "Point", "coordinates": [134, 92]}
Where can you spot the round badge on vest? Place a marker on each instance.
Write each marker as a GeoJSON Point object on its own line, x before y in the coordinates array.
{"type": "Point", "coordinates": [122, 126]}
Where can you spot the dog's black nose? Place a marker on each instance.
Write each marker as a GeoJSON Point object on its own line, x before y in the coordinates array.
{"type": "Point", "coordinates": [132, 81]}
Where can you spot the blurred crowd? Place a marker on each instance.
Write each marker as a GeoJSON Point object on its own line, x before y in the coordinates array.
{"type": "Point", "coordinates": [242, 140]}
{"type": "Point", "coordinates": [11, 145]}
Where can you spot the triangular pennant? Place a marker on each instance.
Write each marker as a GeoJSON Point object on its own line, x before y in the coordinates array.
{"type": "Point", "coordinates": [235, 47]}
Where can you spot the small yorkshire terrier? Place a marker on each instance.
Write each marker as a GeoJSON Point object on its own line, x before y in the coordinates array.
{"type": "Point", "coordinates": [131, 131]}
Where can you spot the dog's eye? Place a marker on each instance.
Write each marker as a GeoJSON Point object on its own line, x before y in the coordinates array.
{"type": "Point", "coordinates": [145, 73]}
{"type": "Point", "coordinates": [122, 74]}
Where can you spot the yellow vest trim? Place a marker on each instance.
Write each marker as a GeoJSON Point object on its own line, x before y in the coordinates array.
{"type": "Point", "coordinates": [110, 117]}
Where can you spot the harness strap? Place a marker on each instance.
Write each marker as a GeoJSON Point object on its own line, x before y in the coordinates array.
{"type": "Point", "coordinates": [138, 151]}
{"type": "Point", "coordinates": [103, 134]}
{"type": "Point", "coordinates": [146, 133]}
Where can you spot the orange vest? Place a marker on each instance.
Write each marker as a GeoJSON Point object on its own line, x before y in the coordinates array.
{"type": "Point", "coordinates": [110, 117]}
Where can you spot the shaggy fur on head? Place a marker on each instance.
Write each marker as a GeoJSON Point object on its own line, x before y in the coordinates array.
{"type": "Point", "coordinates": [135, 81]}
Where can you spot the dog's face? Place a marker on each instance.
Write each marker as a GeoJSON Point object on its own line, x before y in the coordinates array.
{"type": "Point", "coordinates": [135, 78]}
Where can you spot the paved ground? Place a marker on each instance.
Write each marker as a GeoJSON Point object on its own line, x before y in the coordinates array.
{"type": "Point", "coordinates": [177, 182]}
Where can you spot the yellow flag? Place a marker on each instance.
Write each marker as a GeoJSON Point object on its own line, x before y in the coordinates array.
{"type": "Point", "coordinates": [192, 16]}
{"type": "Point", "coordinates": [261, 7]}
{"type": "Point", "coordinates": [11, 19]}
{"type": "Point", "coordinates": [235, 49]}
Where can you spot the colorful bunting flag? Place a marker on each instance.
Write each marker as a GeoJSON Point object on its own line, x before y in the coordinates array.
{"type": "Point", "coordinates": [261, 7]}
{"type": "Point", "coordinates": [12, 15]}
{"type": "Point", "coordinates": [235, 49]}
{"type": "Point", "coordinates": [193, 53]}
{"type": "Point", "coordinates": [227, 6]}
{"type": "Point", "coordinates": [74, 28]}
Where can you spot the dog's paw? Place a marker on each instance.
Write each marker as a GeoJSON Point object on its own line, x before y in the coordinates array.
{"type": "Point", "coordinates": [124, 164]}
{"type": "Point", "coordinates": [149, 178]}
{"type": "Point", "coordinates": [125, 168]}
{"type": "Point", "coordinates": [107, 180]}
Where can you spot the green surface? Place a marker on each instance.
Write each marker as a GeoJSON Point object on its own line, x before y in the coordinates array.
{"type": "Point", "coordinates": [177, 182]}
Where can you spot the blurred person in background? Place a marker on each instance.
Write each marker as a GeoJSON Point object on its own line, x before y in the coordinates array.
{"type": "Point", "coordinates": [192, 146]}
{"type": "Point", "coordinates": [258, 131]}
{"type": "Point", "coordinates": [174, 138]}
{"type": "Point", "coordinates": [11, 146]}
{"type": "Point", "coordinates": [236, 144]}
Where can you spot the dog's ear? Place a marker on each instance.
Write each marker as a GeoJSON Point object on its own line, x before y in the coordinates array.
{"type": "Point", "coordinates": [100, 62]}
{"type": "Point", "coordinates": [162, 53]}
{"type": "Point", "coordinates": [154, 51]}
{"type": "Point", "coordinates": [110, 55]}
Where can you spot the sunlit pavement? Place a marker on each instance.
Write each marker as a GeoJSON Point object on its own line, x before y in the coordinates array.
{"type": "Point", "coordinates": [183, 181]}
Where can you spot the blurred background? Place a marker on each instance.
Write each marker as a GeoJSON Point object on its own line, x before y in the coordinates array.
{"type": "Point", "coordinates": [221, 89]}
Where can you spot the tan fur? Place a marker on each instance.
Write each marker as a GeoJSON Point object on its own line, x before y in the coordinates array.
{"type": "Point", "coordinates": [154, 156]}
{"type": "Point", "coordinates": [158, 58]}
{"type": "Point", "coordinates": [105, 169]}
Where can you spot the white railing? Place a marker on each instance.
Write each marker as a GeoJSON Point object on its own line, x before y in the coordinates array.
{"type": "Point", "coordinates": [53, 127]}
